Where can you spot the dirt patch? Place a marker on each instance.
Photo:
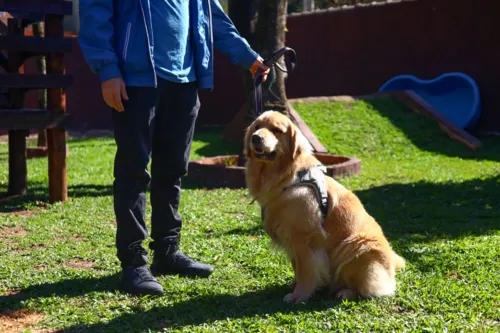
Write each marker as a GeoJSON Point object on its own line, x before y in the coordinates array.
{"type": "Point", "coordinates": [40, 267]}
{"type": "Point", "coordinates": [21, 213]}
{"type": "Point", "coordinates": [234, 213]}
{"type": "Point", "coordinates": [112, 223]}
{"type": "Point", "coordinates": [11, 292]}
{"type": "Point", "coordinates": [79, 264]}
{"type": "Point", "coordinates": [8, 242]}
{"type": "Point", "coordinates": [74, 237]}
{"type": "Point", "coordinates": [77, 236]}
{"type": "Point", "coordinates": [16, 231]}
{"type": "Point", "coordinates": [454, 276]}
{"type": "Point", "coordinates": [15, 321]}
{"type": "Point", "coordinates": [31, 248]}
{"type": "Point", "coordinates": [401, 309]}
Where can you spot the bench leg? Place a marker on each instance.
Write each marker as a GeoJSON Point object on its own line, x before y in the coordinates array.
{"type": "Point", "coordinates": [18, 171]}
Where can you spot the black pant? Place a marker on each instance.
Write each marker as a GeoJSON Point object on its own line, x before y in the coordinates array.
{"type": "Point", "coordinates": [157, 123]}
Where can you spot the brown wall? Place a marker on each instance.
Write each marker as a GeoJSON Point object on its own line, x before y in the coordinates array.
{"type": "Point", "coordinates": [352, 51]}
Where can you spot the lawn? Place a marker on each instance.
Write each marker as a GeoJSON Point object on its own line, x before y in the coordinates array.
{"type": "Point", "coordinates": [436, 201]}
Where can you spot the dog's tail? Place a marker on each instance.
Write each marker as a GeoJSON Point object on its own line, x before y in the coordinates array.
{"type": "Point", "coordinates": [398, 261]}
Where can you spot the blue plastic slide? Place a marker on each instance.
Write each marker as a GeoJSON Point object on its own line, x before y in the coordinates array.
{"type": "Point", "coordinates": [454, 95]}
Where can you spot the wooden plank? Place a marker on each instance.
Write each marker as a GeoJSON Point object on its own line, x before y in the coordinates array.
{"type": "Point", "coordinates": [57, 7]}
{"type": "Point", "coordinates": [32, 119]}
{"type": "Point", "coordinates": [35, 81]}
{"type": "Point", "coordinates": [313, 140]}
{"type": "Point", "coordinates": [18, 170]}
{"type": "Point", "coordinates": [56, 102]}
{"type": "Point", "coordinates": [35, 44]}
{"type": "Point", "coordinates": [36, 152]}
{"type": "Point", "coordinates": [417, 104]}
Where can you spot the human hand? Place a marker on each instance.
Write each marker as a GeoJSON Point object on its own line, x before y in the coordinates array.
{"type": "Point", "coordinates": [259, 64]}
{"type": "Point", "coordinates": [113, 90]}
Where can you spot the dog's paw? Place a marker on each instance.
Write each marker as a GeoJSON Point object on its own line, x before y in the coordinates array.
{"type": "Point", "coordinates": [294, 299]}
{"type": "Point", "coordinates": [346, 294]}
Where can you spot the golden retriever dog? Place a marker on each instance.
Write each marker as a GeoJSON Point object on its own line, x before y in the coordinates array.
{"type": "Point", "coordinates": [345, 251]}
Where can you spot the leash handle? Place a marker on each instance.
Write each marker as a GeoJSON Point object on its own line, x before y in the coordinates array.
{"type": "Point", "coordinates": [269, 62]}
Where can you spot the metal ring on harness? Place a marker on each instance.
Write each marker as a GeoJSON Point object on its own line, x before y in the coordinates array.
{"type": "Point", "coordinates": [269, 62]}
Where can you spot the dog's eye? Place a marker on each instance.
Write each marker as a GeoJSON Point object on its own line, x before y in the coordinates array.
{"type": "Point", "coordinates": [257, 127]}
{"type": "Point", "coordinates": [276, 131]}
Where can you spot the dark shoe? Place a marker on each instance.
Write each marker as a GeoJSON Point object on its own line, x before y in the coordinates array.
{"type": "Point", "coordinates": [171, 261]}
{"type": "Point", "coordinates": [136, 276]}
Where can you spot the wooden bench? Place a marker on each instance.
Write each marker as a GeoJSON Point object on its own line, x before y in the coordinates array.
{"type": "Point", "coordinates": [17, 120]}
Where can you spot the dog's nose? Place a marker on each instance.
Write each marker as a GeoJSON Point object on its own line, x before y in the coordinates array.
{"type": "Point", "coordinates": [256, 139]}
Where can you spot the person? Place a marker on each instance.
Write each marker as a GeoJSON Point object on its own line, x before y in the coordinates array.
{"type": "Point", "coordinates": [152, 56]}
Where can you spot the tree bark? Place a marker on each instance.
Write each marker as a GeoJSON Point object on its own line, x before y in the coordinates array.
{"type": "Point", "coordinates": [269, 37]}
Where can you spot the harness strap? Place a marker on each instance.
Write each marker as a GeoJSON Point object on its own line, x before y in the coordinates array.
{"type": "Point", "coordinates": [314, 178]}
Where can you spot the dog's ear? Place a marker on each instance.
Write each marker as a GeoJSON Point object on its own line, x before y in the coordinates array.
{"type": "Point", "coordinates": [298, 142]}
{"type": "Point", "coordinates": [294, 141]}
{"type": "Point", "coordinates": [246, 141]}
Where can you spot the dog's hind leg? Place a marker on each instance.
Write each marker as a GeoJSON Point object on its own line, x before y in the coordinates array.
{"type": "Point", "coordinates": [368, 276]}
{"type": "Point", "coordinates": [378, 281]}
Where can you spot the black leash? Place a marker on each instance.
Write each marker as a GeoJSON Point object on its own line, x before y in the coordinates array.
{"type": "Point", "coordinates": [270, 62]}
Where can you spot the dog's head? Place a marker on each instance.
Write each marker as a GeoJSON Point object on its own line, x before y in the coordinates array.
{"type": "Point", "coordinates": [274, 136]}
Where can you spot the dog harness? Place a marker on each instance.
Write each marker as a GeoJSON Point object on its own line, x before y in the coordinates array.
{"type": "Point", "coordinates": [314, 178]}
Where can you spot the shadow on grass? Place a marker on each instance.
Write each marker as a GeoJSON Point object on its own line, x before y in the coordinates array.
{"type": "Point", "coordinates": [204, 310]}
{"type": "Point", "coordinates": [195, 311]}
{"type": "Point", "coordinates": [71, 288]}
{"type": "Point", "coordinates": [426, 211]}
{"type": "Point", "coordinates": [426, 134]}
{"type": "Point", "coordinates": [256, 230]}
{"type": "Point", "coordinates": [410, 214]}
{"type": "Point", "coordinates": [214, 144]}
{"type": "Point", "coordinates": [435, 210]}
{"type": "Point", "coordinates": [420, 213]}
{"type": "Point", "coordinates": [38, 195]}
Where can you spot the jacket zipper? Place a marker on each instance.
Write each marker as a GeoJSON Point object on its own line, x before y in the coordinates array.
{"type": "Point", "coordinates": [149, 46]}
{"type": "Point", "coordinates": [211, 35]}
{"type": "Point", "coordinates": [127, 40]}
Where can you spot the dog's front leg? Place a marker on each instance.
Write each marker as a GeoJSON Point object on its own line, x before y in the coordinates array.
{"type": "Point", "coordinates": [306, 276]}
{"type": "Point", "coordinates": [292, 284]}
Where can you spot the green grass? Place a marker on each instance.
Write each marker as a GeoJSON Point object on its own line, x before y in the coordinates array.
{"type": "Point", "coordinates": [437, 202]}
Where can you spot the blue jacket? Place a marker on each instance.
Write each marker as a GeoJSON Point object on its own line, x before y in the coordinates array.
{"type": "Point", "coordinates": [116, 37]}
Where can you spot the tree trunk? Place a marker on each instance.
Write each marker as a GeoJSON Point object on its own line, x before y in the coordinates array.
{"type": "Point", "coordinates": [39, 30]}
{"type": "Point", "coordinates": [266, 35]}
{"type": "Point", "coordinates": [269, 37]}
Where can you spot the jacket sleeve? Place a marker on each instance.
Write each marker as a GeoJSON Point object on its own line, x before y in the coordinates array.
{"type": "Point", "coordinates": [96, 37]}
{"type": "Point", "coordinates": [228, 40]}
